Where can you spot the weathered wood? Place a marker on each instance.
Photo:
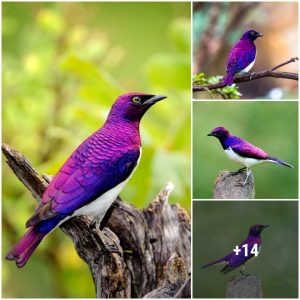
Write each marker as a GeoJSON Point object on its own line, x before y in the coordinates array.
{"type": "Point", "coordinates": [143, 241]}
{"type": "Point", "coordinates": [244, 287]}
{"type": "Point", "coordinates": [185, 290]}
{"type": "Point", "coordinates": [229, 185]}
{"type": "Point", "coordinates": [174, 275]}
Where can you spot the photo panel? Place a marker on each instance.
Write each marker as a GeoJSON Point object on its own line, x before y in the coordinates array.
{"type": "Point", "coordinates": [260, 135]}
{"type": "Point", "coordinates": [97, 96]}
{"type": "Point", "coordinates": [224, 267]}
{"type": "Point", "coordinates": [245, 50]}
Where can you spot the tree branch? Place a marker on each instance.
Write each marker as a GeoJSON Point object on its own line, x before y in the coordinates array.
{"type": "Point", "coordinates": [147, 241]}
{"type": "Point", "coordinates": [248, 77]}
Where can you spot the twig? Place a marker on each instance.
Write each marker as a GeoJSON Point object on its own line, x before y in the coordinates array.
{"type": "Point", "coordinates": [293, 59]}
{"type": "Point", "coordinates": [266, 73]}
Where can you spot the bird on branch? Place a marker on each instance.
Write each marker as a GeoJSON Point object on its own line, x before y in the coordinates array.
{"type": "Point", "coordinates": [248, 249]}
{"type": "Point", "coordinates": [243, 152]}
{"type": "Point", "coordinates": [93, 176]}
{"type": "Point", "coordinates": [241, 56]}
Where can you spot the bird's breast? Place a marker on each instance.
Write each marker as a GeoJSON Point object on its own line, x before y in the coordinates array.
{"type": "Point", "coordinates": [244, 161]}
{"type": "Point", "coordinates": [249, 67]}
{"type": "Point", "coordinates": [99, 206]}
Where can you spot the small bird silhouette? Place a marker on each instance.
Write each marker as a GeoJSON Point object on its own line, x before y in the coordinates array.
{"type": "Point", "coordinates": [242, 151]}
{"type": "Point", "coordinates": [241, 56]}
{"type": "Point", "coordinates": [236, 259]}
{"type": "Point", "coordinates": [93, 176]}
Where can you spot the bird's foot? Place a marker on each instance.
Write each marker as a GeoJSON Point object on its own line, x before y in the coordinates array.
{"type": "Point", "coordinates": [251, 75]}
{"type": "Point", "coordinates": [238, 171]}
{"type": "Point", "coordinates": [106, 249]}
{"type": "Point", "coordinates": [94, 223]}
{"type": "Point", "coordinates": [244, 273]}
{"type": "Point", "coordinates": [248, 173]}
{"type": "Point", "coordinates": [111, 248]}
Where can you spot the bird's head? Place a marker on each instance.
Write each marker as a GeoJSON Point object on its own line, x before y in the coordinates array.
{"type": "Point", "coordinates": [255, 230]}
{"type": "Point", "coordinates": [219, 132]}
{"type": "Point", "coordinates": [251, 35]}
{"type": "Point", "coordinates": [132, 106]}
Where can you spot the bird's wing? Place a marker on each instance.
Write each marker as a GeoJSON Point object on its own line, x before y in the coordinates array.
{"type": "Point", "coordinates": [239, 259]}
{"type": "Point", "coordinates": [240, 56]}
{"type": "Point", "coordinates": [245, 149]}
{"type": "Point", "coordinates": [83, 179]}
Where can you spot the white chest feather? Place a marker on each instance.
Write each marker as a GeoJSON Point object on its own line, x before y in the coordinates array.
{"type": "Point", "coordinates": [99, 207]}
{"type": "Point", "coordinates": [244, 161]}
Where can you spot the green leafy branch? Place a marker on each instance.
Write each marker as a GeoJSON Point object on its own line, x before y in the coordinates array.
{"type": "Point", "coordinates": [226, 92]}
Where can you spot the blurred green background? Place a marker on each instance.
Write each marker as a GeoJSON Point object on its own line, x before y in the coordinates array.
{"type": "Point", "coordinates": [221, 225]}
{"type": "Point", "coordinates": [63, 66]}
{"type": "Point", "coordinates": [272, 126]}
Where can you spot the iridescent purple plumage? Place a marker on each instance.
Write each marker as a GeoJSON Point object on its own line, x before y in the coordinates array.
{"type": "Point", "coordinates": [242, 56]}
{"type": "Point", "coordinates": [96, 171]}
{"type": "Point", "coordinates": [242, 151]}
{"type": "Point", "coordinates": [237, 259]}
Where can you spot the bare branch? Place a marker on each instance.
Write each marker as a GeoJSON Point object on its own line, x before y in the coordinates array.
{"type": "Point", "coordinates": [253, 76]}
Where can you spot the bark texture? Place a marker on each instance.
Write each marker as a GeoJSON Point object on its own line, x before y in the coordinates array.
{"type": "Point", "coordinates": [229, 185]}
{"type": "Point", "coordinates": [136, 252]}
{"type": "Point", "coordinates": [244, 287]}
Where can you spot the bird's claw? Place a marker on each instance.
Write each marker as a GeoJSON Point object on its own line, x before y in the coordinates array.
{"type": "Point", "coordinates": [93, 224]}
{"type": "Point", "coordinates": [107, 249]}
{"type": "Point", "coordinates": [111, 249]}
{"type": "Point", "coordinates": [244, 273]}
{"type": "Point", "coordinates": [251, 75]}
{"type": "Point", "coordinates": [238, 171]}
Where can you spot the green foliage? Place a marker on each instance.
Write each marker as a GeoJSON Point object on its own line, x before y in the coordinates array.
{"type": "Point", "coordinates": [63, 66]}
{"type": "Point", "coordinates": [227, 92]}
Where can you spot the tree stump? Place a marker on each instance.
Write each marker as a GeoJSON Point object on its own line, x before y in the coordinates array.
{"type": "Point", "coordinates": [229, 185]}
{"type": "Point", "coordinates": [244, 287]}
{"type": "Point", "coordinates": [153, 245]}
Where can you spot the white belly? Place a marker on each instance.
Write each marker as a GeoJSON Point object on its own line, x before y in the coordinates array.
{"type": "Point", "coordinates": [244, 161]}
{"type": "Point", "coordinates": [99, 207]}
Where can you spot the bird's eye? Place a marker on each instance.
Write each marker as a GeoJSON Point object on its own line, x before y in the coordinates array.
{"type": "Point", "coordinates": [252, 32]}
{"type": "Point", "coordinates": [136, 99]}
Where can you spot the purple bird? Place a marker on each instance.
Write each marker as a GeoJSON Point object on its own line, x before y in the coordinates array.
{"type": "Point", "coordinates": [248, 249]}
{"type": "Point", "coordinates": [93, 176]}
{"type": "Point", "coordinates": [242, 151]}
{"type": "Point", "coordinates": [242, 56]}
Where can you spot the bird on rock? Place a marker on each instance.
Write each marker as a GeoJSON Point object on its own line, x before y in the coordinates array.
{"type": "Point", "coordinates": [242, 151]}
{"type": "Point", "coordinates": [241, 56]}
{"type": "Point", "coordinates": [93, 176]}
{"type": "Point", "coordinates": [248, 249]}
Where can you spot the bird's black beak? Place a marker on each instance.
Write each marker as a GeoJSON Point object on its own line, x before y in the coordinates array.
{"type": "Point", "coordinates": [259, 34]}
{"type": "Point", "coordinates": [154, 99]}
{"type": "Point", "coordinates": [264, 227]}
{"type": "Point", "coordinates": [210, 134]}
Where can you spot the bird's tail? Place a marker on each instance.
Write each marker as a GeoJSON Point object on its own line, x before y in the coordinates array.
{"type": "Point", "coordinates": [228, 80]}
{"type": "Point", "coordinates": [278, 161]}
{"type": "Point", "coordinates": [215, 262]}
{"type": "Point", "coordinates": [25, 247]}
